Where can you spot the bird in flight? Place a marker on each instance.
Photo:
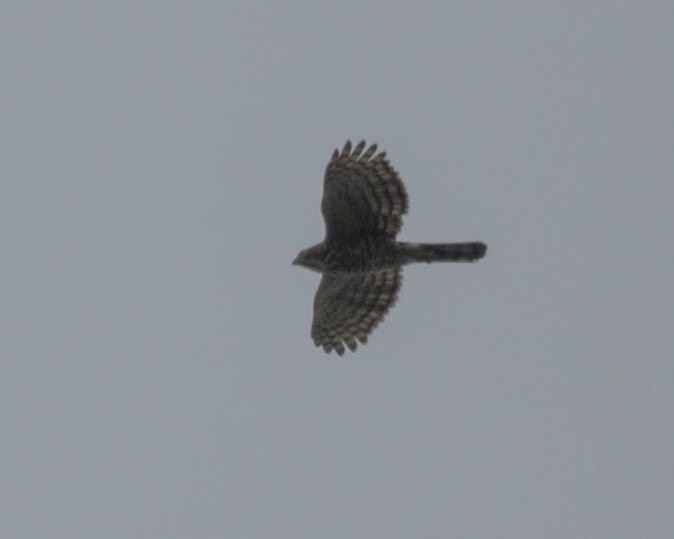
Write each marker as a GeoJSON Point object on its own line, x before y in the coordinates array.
{"type": "Point", "coordinates": [364, 200]}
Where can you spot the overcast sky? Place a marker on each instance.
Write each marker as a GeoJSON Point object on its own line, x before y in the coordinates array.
{"type": "Point", "coordinates": [161, 167]}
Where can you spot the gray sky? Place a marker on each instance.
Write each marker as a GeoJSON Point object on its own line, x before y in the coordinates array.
{"type": "Point", "coordinates": [162, 165]}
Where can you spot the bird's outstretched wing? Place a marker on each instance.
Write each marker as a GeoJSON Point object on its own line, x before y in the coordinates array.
{"type": "Point", "coordinates": [362, 195]}
{"type": "Point", "coordinates": [348, 306]}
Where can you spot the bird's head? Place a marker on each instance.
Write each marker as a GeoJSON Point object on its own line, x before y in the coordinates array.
{"type": "Point", "coordinates": [311, 258]}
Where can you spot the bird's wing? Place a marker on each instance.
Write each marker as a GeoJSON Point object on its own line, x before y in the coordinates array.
{"type": "Point", "coordinates": [362, 195]}
{"type": "Point", "coordinates": [348, 306]}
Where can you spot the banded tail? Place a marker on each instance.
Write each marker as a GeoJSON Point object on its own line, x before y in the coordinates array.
{"type": "Point", "coordinates": [444, 252]}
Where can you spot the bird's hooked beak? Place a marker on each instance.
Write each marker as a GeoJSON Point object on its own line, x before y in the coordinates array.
{"type": "Point", "coordinates": [296, 262]}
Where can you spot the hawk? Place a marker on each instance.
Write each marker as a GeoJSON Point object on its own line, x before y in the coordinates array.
{"type": "Point", "coordinates": [364, 200]}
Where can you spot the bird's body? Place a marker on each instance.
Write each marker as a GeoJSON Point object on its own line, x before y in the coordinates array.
{"type": "Point", "coordinates": [363, 203]}
{"type": "Point", "coordinates": [374, 253]}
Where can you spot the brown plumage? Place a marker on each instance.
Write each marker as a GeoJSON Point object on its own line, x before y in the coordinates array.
{"type": "Point", "coordinates": [364, 200]}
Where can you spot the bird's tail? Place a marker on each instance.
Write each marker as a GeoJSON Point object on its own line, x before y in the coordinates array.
{"type": "Point", "coordinates": [444, 252]}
